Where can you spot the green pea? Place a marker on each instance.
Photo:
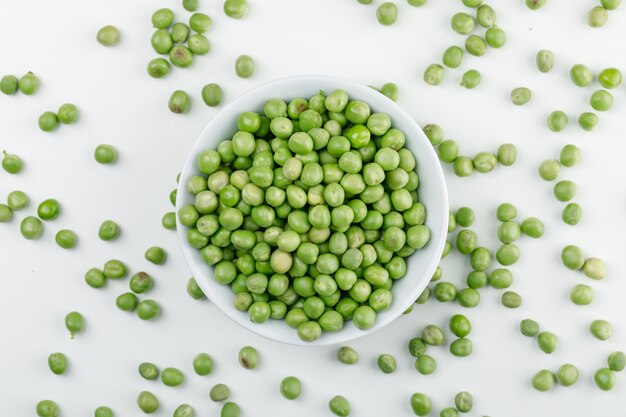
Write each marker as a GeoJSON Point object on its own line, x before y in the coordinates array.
{"type": "Point", "coordinates": [347, 355]}
{"type": "Point", "coordinates": [507, 154]}
{"type": "Point", "coordinates": [181, 56]}
{"type": "Point", "coordinates": [387, 13]}
{"type": "Point", "coordinates": [74, 323]}
{"type": "Point", "coordinates": [571, 214]}
{"type": "Point", "coordinates": [543, 380]}
{"type": "Point", "coordinates": [114, 269]}
{"type": "Point", "coordinates": [495, 37]}
{"type": "Point", "coordinates": [172, 377]}
{"type": "Point", "coordinates": [156, 255]}
{"type": "Point", "coordinates": [605, 379]}
{"type": "Point", "coordinates": [66, 239]}
{"type": "Point", "coordinates": [617, 361]}
{"type": "Point", "coordinates": [103, 412]}
{"type": "Point", "coordinates": [190, 5]}
{"type": "Point", "coordinates": [486, 16]}
{"type": "Point", "coordinates": [509, 232]}
{"type": "Point", "coordinates": [49, 209]}
{"type": "Point", "coordinates": [601, 329]}
{"type": "Point", "coordinates": [47, 408]}
{"type": "Point", "coordinates": [184, 410]}
{"type": "Point", "coordinates": [244, 66]}
{"type": "Point", "coordinates": [581, 294]}
{"type": "Point", "coordinates": [147, 402]}
{"type": "Point", "coordinates": [549, 169]}
{"type": "Point", "coordinates": [433, 335]}
{"type": "Point", "coordinates": [180, 32]}
{"type": "Point", "coordinates": [390, 90]}
{"type": "Point", "coordinates": [386, 363]}
{"type": "Point", "coordinates": [48, 121]}
{"type": "Point", "coordinates": [95, 278]}
{"type": "Point", "coordinates": [416, 3]}
{"type": "Point", "coordinates": [572, 257]}
{"type": "Point", "coordinates": [601, 100]}
{"type": "Point", "coordinates": [507, 254]}
{"type": "Point", "coordinates": [290, 387]}
{"type": "Point", "coordinates": [529, 328]}
{"type": "Point", "coordinates": [477, 279]}
{"type": "Point", "coordinates": [161, 41]}
{"type": "Point", "coordinates": [158, 68]}
{"type": "Point", "coordinates": [339, 406]}
{"type": "Point", "coordinates": [29, 83]}
{"type": "Point", "coordinates": [248, 357]}
{"type": "Point", "coordinates": [212, 94]}
{"type": "Point", "coordinates": [67, 113]}
{"type": "Point", "coordinates": [198, 44]}
{"type": "Point", "coordinates": [521, 96]}
{"type": "Point", "coordinates": [417, 347]}
{"type": "Point", "coordinates": [105, 154]}
{"type": "Point", "coordinates": [547, 342]}
{"type": "Point", "coordinates": [236, 9]}
{"type": "Point", "coordinates": [461, 347]}
{"type": "Point", "coordinates": [425, 364]}
{"type": "Point", "coordinates": [127, 301]}
{"type": "Point", "coordinates": [464, 402]}
{"type": "Point", "coordinates": [610, 4]}
{"type": "Point", "coordinates": [470, 79]}
{"type": "Point", "coordinates": [545, 60]}
{"type": "Point", "coordinates": [581, 75]}
{"type": "Point", "coordinates": [466, 241]}
{"type": "Point", "coordinates": [610, 78]}
{"type": "Point", "coordinates": [219, 392]}
{"type": "Point", "coordinates": [168, 221]}
{"type": "Point", "coordinates": [31, 227]}
{"type": "Point", "coordinates": [588, 121]}
{"type": "Point", "coordinates": [459, 325]}
{"type": "Point", "coordinates": [108, 36]}
{"type": "Point", "coordinates": [57, 362]}
{"type": "Point", "coordinates": [511, 299]}
{"type": "Point", "coordinates": [594, 268]}
{"type": "Point", "coordinates": [567, 375]}
{"type": "Point", "coordinates": [434, 74]}
{"type": "Point", "coordinates": [202, 364]}
{"type": "Point", "coordinates": [475, 45]}
{"type": "Point", "coordinates": [452, 57]}
{"type": "Point", "coordinates": [230, 409]}
{"type": "Point", "coordinates": [597, 17]}
{"type": "Point", "coordinates": [462, 23]}
{"type": "Point", "coordinates": [8, 84]}
{"type": "Point", "coordinates": [535, 4]}
{"type": "Point", "coordinates": [109, 230]}
{"type": "Point", "coordinates": [179, 102]}
{"type": "Point", "coordinates": [421, 404]}
{"type": "Point", "coordinates": [448, 151]}
{"type": "Point", "coordinates": [148, 371]}
{"type": "Point", "coordinates": [148, 310]}
{"type": "Point", "coordinates": [557, 121]}
{"type": "Point", "coordinates": [501, 278]}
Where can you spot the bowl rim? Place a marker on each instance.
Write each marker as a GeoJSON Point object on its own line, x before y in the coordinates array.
{"type": "Point", "coordinates": [357, 90]}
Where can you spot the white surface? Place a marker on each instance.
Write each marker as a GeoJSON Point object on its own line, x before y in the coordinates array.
{"type": "Point", "coordinates": [121, 105]}
{"type": "Point", "coordinates": [420, 266]}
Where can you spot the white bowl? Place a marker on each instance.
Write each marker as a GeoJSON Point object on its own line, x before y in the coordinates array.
{"type": "Point", "coordinates": [432, 192]}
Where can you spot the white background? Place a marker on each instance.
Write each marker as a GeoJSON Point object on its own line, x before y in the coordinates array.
{"type": "Point", "coordinates": [121, 105]}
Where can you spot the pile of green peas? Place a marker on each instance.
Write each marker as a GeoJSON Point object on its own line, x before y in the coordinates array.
{"type": "Point", "coordinates": [308, 212]}
{"type": "Point", "coordinates": [67, 114]}
{"type": "Point", "coordinates": [28, 84]}
{"type": "Point", "coordinates": [465, 24]}
{"type": "Point", "coordinates": [463, 166]}
{"type": "Point", "coordinates": [566, 376]}
{"type": "Point", "coordinates": [598, 15]}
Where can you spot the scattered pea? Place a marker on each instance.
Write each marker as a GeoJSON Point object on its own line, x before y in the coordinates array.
{"type": "Point", "coordinates": [245, 66]}
{"type": "Point", "coordinates": [74, 323]}
{"type": "Point", "coordinates": [57, 362]}
{"type": "Point", "coordinates": [543, 380]}
{"type": "Point", "coordinates": [387, 13]}
{"type": "Point", "coordinates": [601, 329]}
{"type": "Point", "coordinates": [547, 342]}
{"type": "Point", "coordinates": [236, 9]}
{"type": "Point", "coordinates": [471, 79]}
{"type": "Point", "coordinates": [567, 375]}
{"type": "Point", "coordinates": [347, 355]}
{"type": "Point", "coordinates": [148, 371]}
{"type": "Point", "coordinates": [219, 392]}
{"type": "Point", "coordinates": [105, 154]}
{"type": "Point", "coordinates": [529, 327]}
{"type": "Point", "coordinates": [521, 96]}
{"type": "Point", "coordinates": [339, 406]}
{"type": "Point", "coordinates": [545, 60]}
{"type": "Point", "coordinates": [212, 94]}
{"type": "Point", "coordinates": [605, 379]}
{"type": "Point", "coordinates": [147, 402]}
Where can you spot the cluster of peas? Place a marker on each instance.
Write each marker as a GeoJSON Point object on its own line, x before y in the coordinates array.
{"type": "Point", "coordinates": [600, 100]}
{"type": "Point", "coordinates": [480, 259]}
{"type": "Point", "coordinates": [28, 84]}
{"type": "Point", "coordinates": [176, 40]}
{"type": "Point", "coordinates": [313, 225]}
{"type": "Point", "coordinates": [464, 166]}
{"type": "Point", "coordinates": [140, 283]}
{"type": "Point", "coordinates": [464, 24]}
{"type": "Point", "coordinates": [564, 190]}
{"type": "Point", "coordinates": [598, 15]}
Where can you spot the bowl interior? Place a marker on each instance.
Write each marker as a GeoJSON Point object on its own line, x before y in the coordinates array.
{"type": "Point", "coordinates": [432, 193]}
